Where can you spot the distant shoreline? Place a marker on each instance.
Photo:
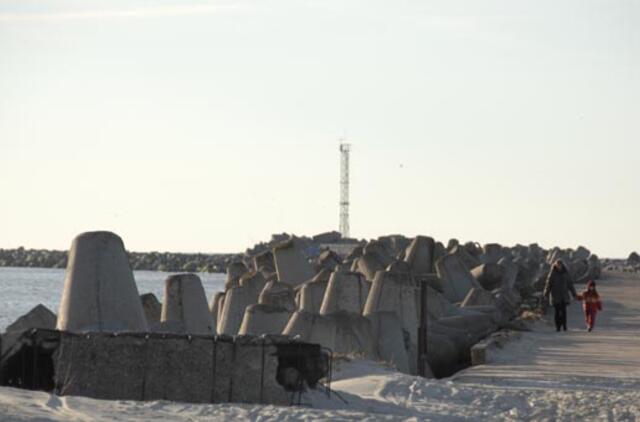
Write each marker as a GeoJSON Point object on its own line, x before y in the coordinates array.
{"type": "Point", "coordinates": [146, 261]}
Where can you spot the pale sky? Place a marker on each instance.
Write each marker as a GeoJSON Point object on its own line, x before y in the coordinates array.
{"type": "Point", "coordinates": [208, 125]}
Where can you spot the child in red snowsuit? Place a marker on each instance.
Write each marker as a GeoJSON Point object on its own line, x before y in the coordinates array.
{"type": "Point", "coordinates": [591, 304]}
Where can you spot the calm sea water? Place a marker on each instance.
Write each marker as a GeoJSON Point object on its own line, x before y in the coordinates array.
{"type": "Point", "coordinates": [23, 288]}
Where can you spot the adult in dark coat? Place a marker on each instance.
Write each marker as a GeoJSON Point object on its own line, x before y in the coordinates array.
{"type": "Point", "coordinates": [559, 285]}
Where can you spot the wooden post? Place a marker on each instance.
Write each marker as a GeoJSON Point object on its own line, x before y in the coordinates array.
{"type": "Point", "coordinates": [422, 329]}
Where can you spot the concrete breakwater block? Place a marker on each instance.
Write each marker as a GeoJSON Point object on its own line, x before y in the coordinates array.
{"type": "Point", "coordinates": [508, 301]}
{"type": "Point", "coordinates": [341, 332]}
{"type": "Point", "coordinates": [438, 306]}
{"type": "Point", "coordinates": [395, 244]}
{"type": "Point", "coordinates": [264, 319]}
{"type": "Point", "coordinates": [390, 340]}
{"type": "Point", "coordinates": [235, 270]}
{"type": "Point", "coordinates": [152, 308]}
{"type": "Point", "coordinates": [511, 271]}
{"type": "Point", "coordinates": [478, 297]}
{"type": "Point", "coordinates": [469, 260]}
{"type": "Point", "coordinates": [580, 253]}
{"type": "Point", "coordinates": [482, 353]}
{"type": "Point", "coordinates": [461, 325]}
{"type": "Point", "coordinates": [311, 328]}
{"type": "Point", "coordinates": [379, 251]}
{"type": "Point", "coordinates": [397, 292]}
{"type": "Point", "coordinates": [311, 293]}
{"type": "Point", "coordinates": [327, 260]}
{"type": "Point", "coordinates": [490, 276]}
{"type": "Point", "coordinates": [254, 281]}
{"type": "Point", "coordinates": [368, 265]}
{"type": "Point", "coordinates": [419, 255]}
{"type": "Point", "coordinates": [235, 303]}
{"type": "Point", "coordinates": [346, 292]}
{"type": "Point", "coordinates": [492, 253]}
{"type": "Point", "coordinates": [291, 265]}
{"type": "Point", "coordinates": [474, 326]}
{"type": "Point", "coordinates": [451, 244]}
{"type": "Point", "coordinates": [38, 317]}
{"type": "Point", "coordinates": [354, 334]}
{"type": "Point", "coordinates": [215, 306]}
{"type": "Point", "coordinates": [278, 294]}
{"type": "Point", "coordinates": [185, 301]}
{"type": "Point", "coordinates": [264, 262]}
{"type": "Point", "coordinates": [100, 293]}
{"type": "Point", "coordinates": [439, 251]}
{"type": "Point", "coordinates": [456, 278]}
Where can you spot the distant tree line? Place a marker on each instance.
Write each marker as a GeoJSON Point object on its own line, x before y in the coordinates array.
{"type": "Point", "coordinates": [152, 261]}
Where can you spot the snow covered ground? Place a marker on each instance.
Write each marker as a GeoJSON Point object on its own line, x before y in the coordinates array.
{"type": "Point", "coordinates": [544, 376]}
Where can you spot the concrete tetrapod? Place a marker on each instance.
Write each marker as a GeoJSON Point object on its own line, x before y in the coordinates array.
{"type": "Point", "coordinates": [327, 260]}
{"type": "Point", "coordinates": [478, 297]}
{"type": "Point", "coordinates": [492, 253]}
{"type": "Point", "coordinates": [341, 332]}
{"type": "Point", "coordinates": [215, 306]}
{"type": "Point", "coordinates": [185, 302]}
{"type": "Point", "coordinates": [220, 309]}
{"type": "Point", "coordinates": [235, 303]}
{"type": "Point", "coordinates": [490, 276]}
{"type": "Point", "coordinates": [235, 270]}
{"type": "Point", "coordinates": [291, 265]}
{"type": "Point", "coordinates": [581, 253]}
{"type": "Point", "coordinates": [390, 340]}
{"type": "Point", "coordinates": [368, 265]}
{"type": "Point", "coordinates": [311, 328]}
{"type": "Point", "coordinates": [469, 323]}
{"type": "Point", "coordinates": [312, 293]}
{"type": "Point", "coordinates": [354, 334]}
{"type": "Point", "coordinates": [279, 295]}
{"type": "Point", "coordinates": [510, 272]}
{"type": "Point", "coordinates": [470, 261]}
{"type": "Point", "coordinates": [419, 255]}
{"type": "Point", "coordinates": [439, 251]}
{"type": "Point", "coordinates": [397, 292]}
{"type": "Point", "coordinates": [395, 244]}
{"type": "Point", "coordinates": [456, 278]}
{"type": "Point", "coordinates": [264, 261]}
{"type": "Point", "coordinates": [264, 319]}
{"type": "Point", "coordinates": [253, 280]}
{"type": "Point", "coordinates": [345, 292]}
{"type": "Point", "coordinates": [377, 249]}
{"type": "Point", "coordinates": [152, 308]}
{"type": "Point", "coordinates": [100, 293]}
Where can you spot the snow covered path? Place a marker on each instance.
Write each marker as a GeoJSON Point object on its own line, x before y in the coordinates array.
{"type": "Point", "coordinates": [610, 353]}
{"type": "Point", "coordinates": [546, 376]}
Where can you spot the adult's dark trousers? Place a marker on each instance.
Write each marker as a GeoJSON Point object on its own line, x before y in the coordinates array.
{"type": "Point", "coordinates": [561, 316]}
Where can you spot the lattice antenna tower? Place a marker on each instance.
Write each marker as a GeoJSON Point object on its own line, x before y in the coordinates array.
{"type": "Point", "coordinates": [345, 149]}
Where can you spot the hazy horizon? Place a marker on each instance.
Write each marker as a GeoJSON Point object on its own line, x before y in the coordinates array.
{"type": "Point", "coordinates": [206, 126]}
